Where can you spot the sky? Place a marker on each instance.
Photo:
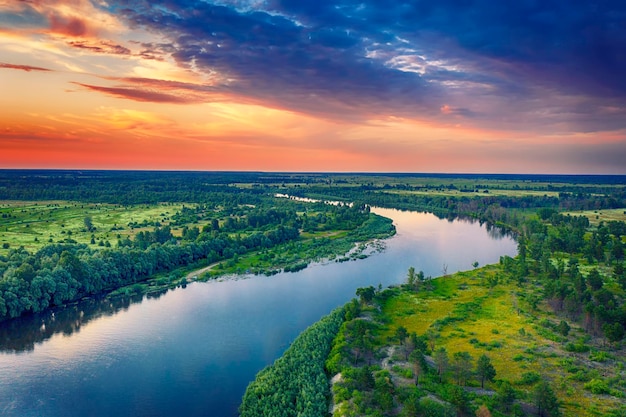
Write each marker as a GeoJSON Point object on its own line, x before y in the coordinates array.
{"type": "Point", "coordinates": [460, 86]}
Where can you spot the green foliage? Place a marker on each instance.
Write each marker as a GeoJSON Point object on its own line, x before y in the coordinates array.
{"type": "Point", "coordinates": [401, 334]}
{"type": "Point", "coordinates": [296, 384]}
{"type": "Point", "coordinates": [614, 332]}
{"type": "Point", "coordinates": [255, 232]}
{"type": "Point", "coordinates": [78, 270]}
{"type": "Point", "coordinates": [597, 386]}
{"type": "Point", "coordinates": [458, 397]}
{"type": "Point", "coordinates": [485, 370]}
{"type": "Point", "coordinates": [579, 347]}
{"type": "Point", "coordinates": [440, 356]}
{"type": "Point", "coordinates": [366, 295]}
{"type": "Point", "coordinates": [426, 407]}
{"type": "Point", "coordinates": [529, 378]}
{"type": "Point", "coordinates": [461, 365]}
{"type": "Point", "coordinates": [599, 356]}
{"type": "Point", "coordinates": [505, 396]}
{"type": "Point", "coordinates": [235, 220]}
{"type": "Point", "coordinates": [546, 402]}
{"type": "Point", "coordinates": [563, 328]}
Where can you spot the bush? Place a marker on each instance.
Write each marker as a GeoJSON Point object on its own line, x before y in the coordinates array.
{"type": "Point", "coordinates": [581, 376]}
{"type": "Point", "coordinates": [599, 356]}
{"type": "Point", "coordinates": [529, 378]}
{"type": "Point", "coordinates": [597, 386]}
{"type": "Point", "coordinates": [578, 347]}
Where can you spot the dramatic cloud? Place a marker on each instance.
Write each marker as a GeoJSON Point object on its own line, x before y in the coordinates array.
{"type": "Point", "coordinates": [409, 59]}
{"type": "Point", "coordinates": [379, 83]}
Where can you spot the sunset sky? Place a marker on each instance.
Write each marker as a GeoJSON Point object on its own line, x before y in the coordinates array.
{"type": "Point", "coordinates": [527, 86]}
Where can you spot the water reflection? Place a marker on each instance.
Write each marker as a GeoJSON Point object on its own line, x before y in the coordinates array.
{"type": "Point", "coordinates": [21, 334]}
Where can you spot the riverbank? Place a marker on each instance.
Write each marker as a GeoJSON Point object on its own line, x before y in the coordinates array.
{"type": "Point", "coordinates": [320, 247]}
{"type": "Point", "coordinates": [193, 352]}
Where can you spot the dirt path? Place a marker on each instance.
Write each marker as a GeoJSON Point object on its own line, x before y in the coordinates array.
{"type": "Point", "coordinates": [193, 275]}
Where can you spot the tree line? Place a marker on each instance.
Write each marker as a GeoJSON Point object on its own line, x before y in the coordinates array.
{"type": "Point", "coordinates": [296, 383]}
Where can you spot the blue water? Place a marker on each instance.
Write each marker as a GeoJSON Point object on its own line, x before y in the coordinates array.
{"type": "Point", "coordinates": [192, 352]}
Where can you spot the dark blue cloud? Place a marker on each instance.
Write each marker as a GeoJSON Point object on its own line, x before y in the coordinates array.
{"type": "Point", "coordinates": [276, 57]}
{"type": "Point", "coordinates": [409, 58]}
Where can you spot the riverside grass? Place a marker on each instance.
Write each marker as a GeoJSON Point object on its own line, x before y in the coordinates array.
{"type": "Point", "coordinates": [469, 313]}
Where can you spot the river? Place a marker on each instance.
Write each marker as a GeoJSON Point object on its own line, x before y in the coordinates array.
{"type": "Point", "coordinates": [192, 351]}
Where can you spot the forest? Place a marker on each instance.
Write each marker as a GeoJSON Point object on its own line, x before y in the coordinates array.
{"type": "Point", "coordinates": [75, 250]}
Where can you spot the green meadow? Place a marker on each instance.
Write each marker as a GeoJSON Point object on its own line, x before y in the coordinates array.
{"type": "Point", "coordinates": [34, 224]}
{"type": "Point", "coordinates": [605, 215]}
{"type": "Point", "coordinates": [484, 312]}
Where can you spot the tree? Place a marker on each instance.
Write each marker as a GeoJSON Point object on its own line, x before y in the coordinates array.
{"type": "Point", "coordinates": [414, 279]}
{"type": "Point", "coordinates": [462, 366]}
{"type": "Point", "coordinates": [594, 279]}
{"type": "Point", "coordinates": [441, 361]}
{"type": "Point", "coordinates": [411, 277]}
{"type": "Point", "coordinates": [432, 336]}
{"type": "Point", "coordinates": [352, 309]}
{"type": "Point", "coordinates": [88, 223]}
{"type": "Point", "coordinates": [419, 364]}
{"type": "Point", "coordinates": [364, 378]}
{"type": "Point", "coordinates": [505, 395]}
{"type": "Point", "coordinates": [459, 399]}
{"type": "Point", "coordinates": [613, 332]}
{"type": "Point", "coordinates": [546, 402]}
{"type": "Point", "coordinates": [412, 343]}
{"type": "Point", "coordinates": [563, 328]}
{"type": "Point", "coordinates": [366, 295]}
{"type": "Point", "coordinates": [483, 411]}
{"type": "Point", "coordinates": [485, 370]}
{"type": "Point", "coordinates": [401, 334]}
{"type": "Point", "coordinates": [359, 338]}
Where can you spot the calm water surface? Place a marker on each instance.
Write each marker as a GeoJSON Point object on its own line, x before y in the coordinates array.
{"type": "Point", "coordinates": [192, 351]}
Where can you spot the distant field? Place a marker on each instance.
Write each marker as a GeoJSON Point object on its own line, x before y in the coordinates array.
{"type": "Point", "coordinates": [35, 224]}
{"type": "Point", "coordinates": [487, 192]}
{"type": "Point", "coordinates": [597, 216]}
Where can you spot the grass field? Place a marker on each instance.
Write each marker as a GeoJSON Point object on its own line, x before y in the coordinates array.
{"type": "Point", "coordinates": [35, 224]}
{"type": "Point", "coordinates": [496, 192]}
{"type": "Point", "coordinates": [597, 216]}
{"type": "Point", "coordinates": [467, 315]}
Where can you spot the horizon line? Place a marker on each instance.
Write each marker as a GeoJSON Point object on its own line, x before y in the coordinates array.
{"type": "Point", "coordinates": [393, 173]}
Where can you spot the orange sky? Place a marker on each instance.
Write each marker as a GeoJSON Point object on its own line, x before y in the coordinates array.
{"type": "Point", "coordinates": [83, 87]}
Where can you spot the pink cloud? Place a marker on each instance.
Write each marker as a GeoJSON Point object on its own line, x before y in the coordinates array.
{"type": "Point", "coordinates": [102, 47]}
{"type": "Point", "coordinates": [26, 68]}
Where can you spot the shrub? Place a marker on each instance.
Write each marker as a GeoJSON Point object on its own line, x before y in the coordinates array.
{"type": "Point", "coordinates": [529, 378]}
{"type": "Point", "coordinates": [597, 386]}
{"type": "Point", "coordinates": [581, 376]}
{"type": "Point", "coordinates": [578, 347]}
{"type": "Point", "coordinates": [599, 356]}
